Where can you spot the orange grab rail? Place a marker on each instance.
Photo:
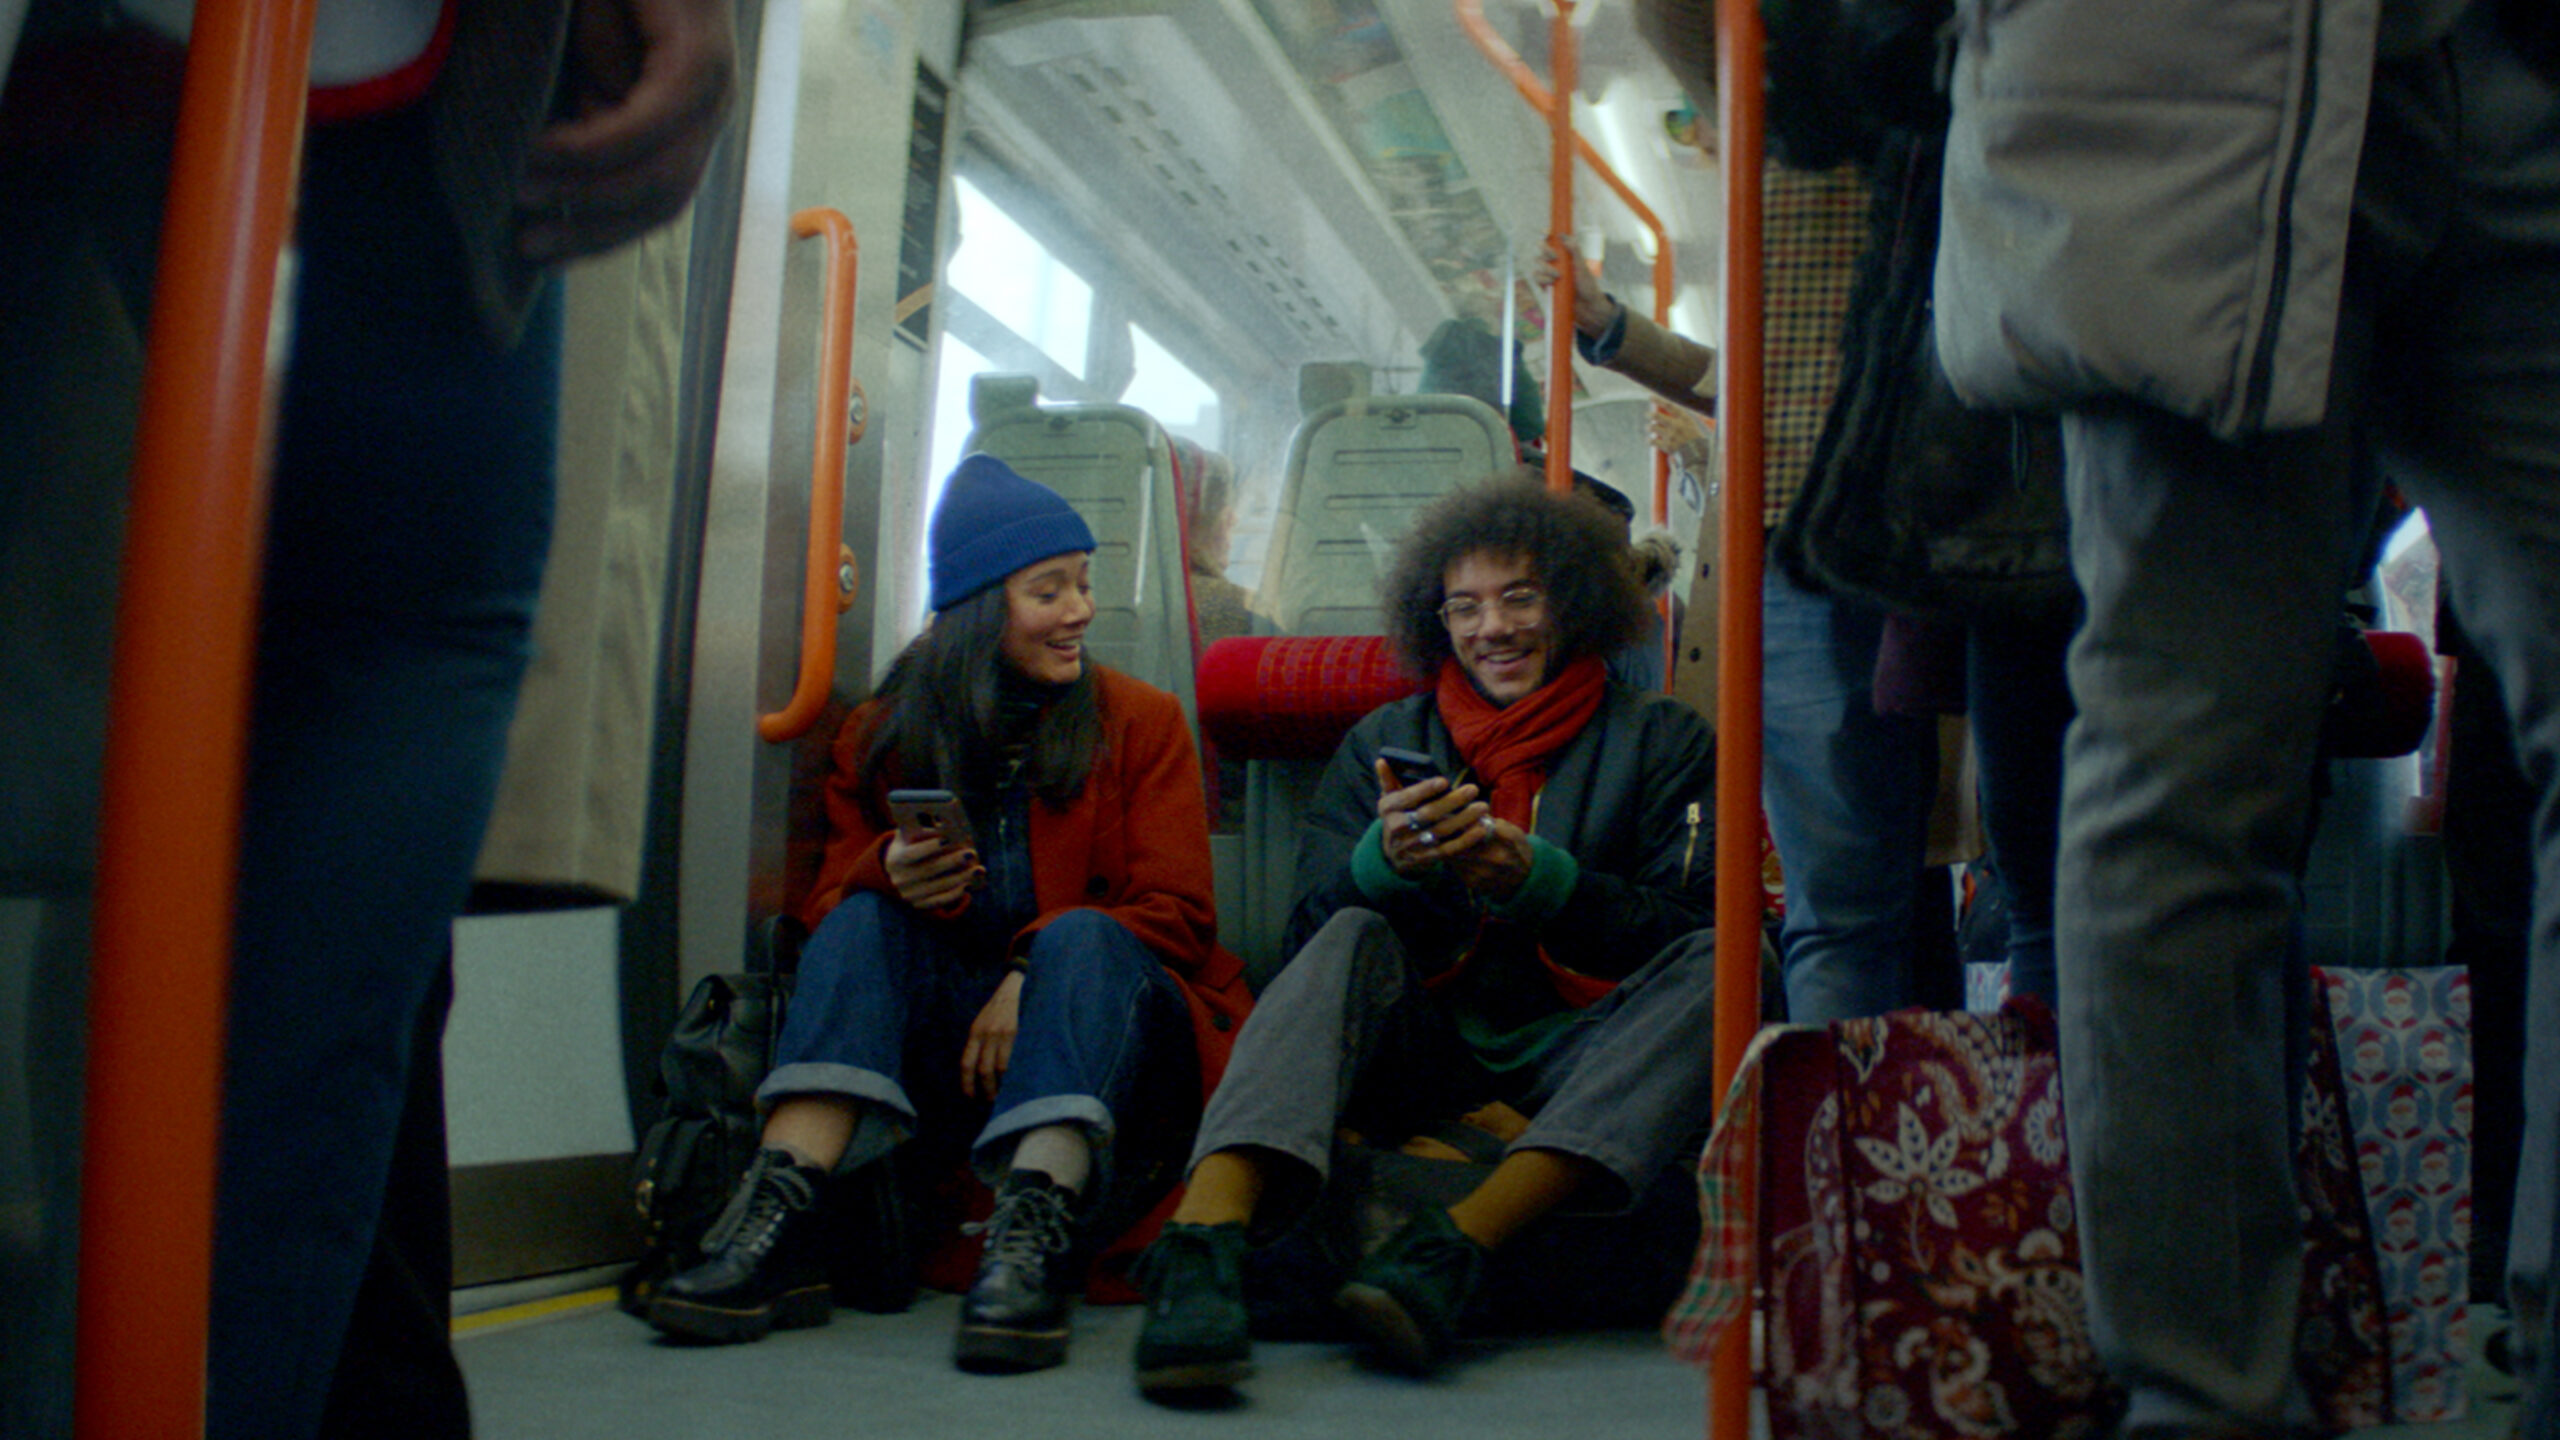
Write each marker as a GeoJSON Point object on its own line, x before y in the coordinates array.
{"type": "Point", "coordinates": [827, 588]}
{"type": "Point", "coordinates": [1738, 884]}
{"type": "Point", "coordinates": [1470, 15]}
{"type": "Point", "coordinates": [1568, 143]}
{"type": "Point", "coordinates": [177, 730]}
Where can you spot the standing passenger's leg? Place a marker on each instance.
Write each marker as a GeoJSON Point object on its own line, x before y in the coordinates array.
{"type": "Point", "coordinates": [407, 529]}
{"type": "Point", "coordinates": [1848, 793]}
{"type": "Point", "coordinates": [2474, 433]}
{"type": "Point", "coordinates": [2212, 575]}
{"type": "Point", "coordinates": [2018, 697]}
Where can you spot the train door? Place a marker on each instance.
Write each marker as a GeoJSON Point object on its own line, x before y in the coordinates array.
{"type": "Point", "coordinates": [847, 111]}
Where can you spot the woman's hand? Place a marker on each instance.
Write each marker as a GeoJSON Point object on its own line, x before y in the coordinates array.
{"type": "Point", "coordinates": [1427, 822]}
{"type": "Point", "coordinates": [989, 1052]}
{"type": "Point", "coordinates": [927, 875]}
{"type": "Point", "coordinates": [1669, 428]}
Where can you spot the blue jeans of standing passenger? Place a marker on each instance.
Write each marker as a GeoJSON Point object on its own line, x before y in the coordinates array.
{"type": "Point", "coordinates": [2213, 574]}
{"type": "Point", "coordinates": [882, 1012]}
{"type": "Point", "coordinates": [1848, 794]}
{"type": "Point", "coordinates": [2018, 700]}
{"type": "Point", "coordinates": [409, 523]}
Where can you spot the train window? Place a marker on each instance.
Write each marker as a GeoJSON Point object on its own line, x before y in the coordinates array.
{"type": "Point", "coordinates": [1167, 389]}
{"type": "Point", "coordinates": [1019, 283]}
{"type": "Point", "coordinates": [956, 363]}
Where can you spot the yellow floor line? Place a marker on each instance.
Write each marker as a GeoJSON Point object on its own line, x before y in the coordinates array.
{"type": "Point", "coordinates": [531, 1310]}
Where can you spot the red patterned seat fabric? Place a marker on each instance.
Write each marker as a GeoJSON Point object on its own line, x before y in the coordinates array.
{"type": "Point", "coordinates": [1291, 698]}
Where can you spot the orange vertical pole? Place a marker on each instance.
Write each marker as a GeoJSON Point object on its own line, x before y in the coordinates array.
{"type": "Point", "coordinates": [1738, 899]}
{"type": "Point", "coordinates": [177, 730]}
{"type": "Point", "coordinates": [1560, 234]}
{"type": "Point", "coordinates": [1662, 459]}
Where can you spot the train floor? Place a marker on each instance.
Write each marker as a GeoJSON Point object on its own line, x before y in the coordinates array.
{"type": "Point", "coordinates": [590, 1372]}
{"type": "Point", "coordinates": [572, 1367]}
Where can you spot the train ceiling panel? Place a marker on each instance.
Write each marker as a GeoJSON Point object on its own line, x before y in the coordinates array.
{"type": "Point", "coordinates": [1357, 162]}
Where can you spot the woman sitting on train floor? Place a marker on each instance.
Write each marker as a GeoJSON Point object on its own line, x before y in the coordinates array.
{"type": "Point", "coordinates": [1527, 925]}
{"type": "Point", "coordinates": [1052, 987]}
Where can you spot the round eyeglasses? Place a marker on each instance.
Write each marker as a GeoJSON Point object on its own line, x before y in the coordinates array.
{"type": "Point", "coordinates": [1520, 604]}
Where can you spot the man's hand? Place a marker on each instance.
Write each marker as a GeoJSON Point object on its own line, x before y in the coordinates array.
{"type": "Point", "coordinates": [1592, 307]}
{"type": "Point", "coordinates": [1428, 822]}
{"type": "Point", "coordinates": [989, 1052]}
{"type": "Point", "coordinates": [648, 84]}
{"type": "Point", "coordinates": [1497, 864]}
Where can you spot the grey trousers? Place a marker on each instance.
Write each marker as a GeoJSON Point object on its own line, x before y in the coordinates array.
{"type": "Point", "coordinates": [1346, 1032]}
{"type": "Point", "coordinates": [2214, 576]}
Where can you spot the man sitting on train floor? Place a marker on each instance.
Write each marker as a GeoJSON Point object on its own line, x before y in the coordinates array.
{"type": "Point", "coordinates": [1528, 925]}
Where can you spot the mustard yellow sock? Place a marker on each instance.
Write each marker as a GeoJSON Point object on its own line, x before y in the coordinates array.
{"type": "Point", "coordinates": [1223, 1189]}
{"type": "Point", "coordinates": [1526, 1185]}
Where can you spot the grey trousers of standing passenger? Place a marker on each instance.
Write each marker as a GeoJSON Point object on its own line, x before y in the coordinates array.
{"type": "Point", "coordinates": [2214, 576]}
{"type": "Point", "coordinates": [1347, 1027]}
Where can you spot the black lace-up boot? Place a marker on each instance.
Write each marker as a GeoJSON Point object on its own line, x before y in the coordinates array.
{"type": "Point", "coordinates": [1015, 1314]}
{"type": "Point", "coordinates": [765, 1268]}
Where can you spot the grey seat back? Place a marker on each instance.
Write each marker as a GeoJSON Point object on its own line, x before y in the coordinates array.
{"type": "Point", "coordinates": [1115, 465]}
{"type": "Point", "coordinates": [1359, 468]}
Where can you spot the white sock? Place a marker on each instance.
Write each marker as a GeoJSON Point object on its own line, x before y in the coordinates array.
{"type": "Point", "coordinates": [1060, 1152]}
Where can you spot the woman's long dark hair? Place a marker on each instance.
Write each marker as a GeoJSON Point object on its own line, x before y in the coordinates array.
{"type": "Point", "coordinates": [1575, 549]}
{"type": "Point", "coordinates": [941, 716]}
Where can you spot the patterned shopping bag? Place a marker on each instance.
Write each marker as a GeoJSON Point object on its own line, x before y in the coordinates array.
{"type": "Point", "coordinates": [2405, 1050]}
{"type": "Point", "coordinates": [1911, 1245]}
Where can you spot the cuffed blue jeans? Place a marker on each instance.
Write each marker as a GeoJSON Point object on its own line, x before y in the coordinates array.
{"type": "Point", "coordinates": [882, 1010]}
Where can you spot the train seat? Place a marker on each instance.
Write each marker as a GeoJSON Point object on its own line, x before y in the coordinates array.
{"type": "Point", "coordinates": [1115, 465]}
{"type": "Point", "coordinates": [2386, 697]}
{"type": "Point", "coordinates": [1281, 705]}
{"type": "Point", "coordinates": [1359, 466]}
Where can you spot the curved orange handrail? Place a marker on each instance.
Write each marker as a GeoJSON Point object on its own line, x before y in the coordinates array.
{"type": "Point", "coordinates": [1471, 19]}
{"type": "Point", "coordinates": [823, 596]}
{"type": "Point", "coordinates": [1741, 420]}
{"type": "Point", "coordinates": [177, 730]}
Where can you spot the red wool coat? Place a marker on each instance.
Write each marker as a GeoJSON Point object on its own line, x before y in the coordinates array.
{"type": "Point", "coordinates": [1134, 844]}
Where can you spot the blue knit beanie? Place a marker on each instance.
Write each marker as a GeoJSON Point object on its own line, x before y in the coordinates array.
{"type": "Point", "coordinates": [992, 522]}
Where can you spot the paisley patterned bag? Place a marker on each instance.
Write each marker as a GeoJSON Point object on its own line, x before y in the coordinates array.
{"type": "Point", "coordinates": [1914, 1253]}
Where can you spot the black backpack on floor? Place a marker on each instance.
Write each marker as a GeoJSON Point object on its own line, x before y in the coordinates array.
{"type": "Point", "coordinates": [693, 1155]}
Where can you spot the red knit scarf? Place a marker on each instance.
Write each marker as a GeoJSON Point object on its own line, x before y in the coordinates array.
{"type": "Point", "coordinates": [1506, 747]}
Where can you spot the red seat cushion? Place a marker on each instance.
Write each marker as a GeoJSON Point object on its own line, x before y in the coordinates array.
{"type": "Point", "coordinates": [2384, 710]}
{"type": "Point", "coordinates": [1291, 698]}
